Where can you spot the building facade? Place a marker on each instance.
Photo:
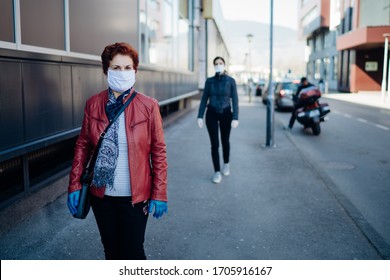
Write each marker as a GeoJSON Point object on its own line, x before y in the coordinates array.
{"type": "Point", "coordinates": [50, 65]}
{"type": "Point", "coordinates": [345, 42]}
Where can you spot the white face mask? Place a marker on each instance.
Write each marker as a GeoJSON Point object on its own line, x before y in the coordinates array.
{"type": "Point", "coordinates": [219, 68]}
{"type": "Point", "coordinates": [120, 81]}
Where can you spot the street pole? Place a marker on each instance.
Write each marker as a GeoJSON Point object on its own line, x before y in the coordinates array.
{"type": "Point", "coordinates": [270, 99]}
{"type": "Point", "coordinates": [250, 82]}
{"type": "Point", "coordinates": [388, 75]}
{"type": "Point", "coordinates": [383, 88]}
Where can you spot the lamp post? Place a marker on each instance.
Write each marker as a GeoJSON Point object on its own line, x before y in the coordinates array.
{"type": "Point", "coordinates": [250, 80]}
{"type": "Point", "coordinates": [249, 37]}
{"type": "Point", "coordinates": [246, 66]}
{"type": "Point", "coordinates": [383, 87]}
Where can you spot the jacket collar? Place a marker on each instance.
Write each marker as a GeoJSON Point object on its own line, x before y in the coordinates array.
{"type": "Point", "coordinates": [128, 96]}
{"type": "Point", "coordinates": [106, 92]}
{"type": "Point", "coordinates": [220, 76]}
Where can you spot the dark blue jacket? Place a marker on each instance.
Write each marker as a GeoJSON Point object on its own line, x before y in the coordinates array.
{"type": "Point", "coordinates": [220, 92]}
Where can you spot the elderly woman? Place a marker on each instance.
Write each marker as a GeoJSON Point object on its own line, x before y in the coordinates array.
{"type": "Point", "coordinates": [130, 174]}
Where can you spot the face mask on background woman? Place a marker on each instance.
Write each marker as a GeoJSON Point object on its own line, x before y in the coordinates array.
{"type": "Point", "coordinates": [219, 68]}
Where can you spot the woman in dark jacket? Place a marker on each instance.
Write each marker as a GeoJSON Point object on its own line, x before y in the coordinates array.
{"type": "Point", "coordinates": [221, 99]}
{"type": "Point", "coordinates": [130, 174]}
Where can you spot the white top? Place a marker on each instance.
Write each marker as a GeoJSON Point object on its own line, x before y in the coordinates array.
{"type": "Point", "coordinates": [122, 185]}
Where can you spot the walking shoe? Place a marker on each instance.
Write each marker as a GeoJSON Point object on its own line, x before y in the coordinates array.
{"type": "Point", "coordinates": [286, 127]}
{"type": "Point", "coordinates": [217, 178]}
{"type": "Point", "coordinates": [226, 169]}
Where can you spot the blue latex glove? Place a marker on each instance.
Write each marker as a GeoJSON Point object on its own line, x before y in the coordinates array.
{"type": "Point", "coordinates": [161, 207]}
{"type": "Point", "coordinates": [73, 201]}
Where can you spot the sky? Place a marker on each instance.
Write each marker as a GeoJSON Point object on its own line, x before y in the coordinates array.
{"type": "Point", "coordinates": [285, 12]}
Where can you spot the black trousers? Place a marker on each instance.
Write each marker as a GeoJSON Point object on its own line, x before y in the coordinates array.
{"type": "Point", "coordinates": [297, 105]}
{"type": "Point", "coordinates": [122, 227]}
{"type": "Point", "coordinates": [215, 122]}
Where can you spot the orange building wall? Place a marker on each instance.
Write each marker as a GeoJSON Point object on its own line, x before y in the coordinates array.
{"type": "Point", "coordinates": [361, 81]}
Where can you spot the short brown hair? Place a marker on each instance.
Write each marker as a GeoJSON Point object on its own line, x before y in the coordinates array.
{"type": "Point", "coordinates": [118, 48]}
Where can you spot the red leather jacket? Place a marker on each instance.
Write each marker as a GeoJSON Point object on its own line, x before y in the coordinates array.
{"type": "Point", "coordinates": [146, 146]}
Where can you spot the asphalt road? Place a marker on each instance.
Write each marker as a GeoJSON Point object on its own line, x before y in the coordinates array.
{"type": "Point", "coordinates": [352, 155]}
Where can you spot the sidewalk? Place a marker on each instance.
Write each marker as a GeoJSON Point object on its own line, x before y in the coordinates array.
{"type": "Point", "coordinates": [272, 206]}
{"type": "Point", "coordinates": [369, 98]}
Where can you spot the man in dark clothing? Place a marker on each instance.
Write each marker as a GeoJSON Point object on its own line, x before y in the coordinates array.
{"type": "Point", "coordinates": [297, 104]}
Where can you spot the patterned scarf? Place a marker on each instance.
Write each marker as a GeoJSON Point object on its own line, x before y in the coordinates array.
{"type": "Point", "coordinates": [104, 171]}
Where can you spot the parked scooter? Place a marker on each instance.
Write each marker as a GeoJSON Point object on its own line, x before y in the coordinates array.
{"type": "Point", "coordinates": [313, 112]}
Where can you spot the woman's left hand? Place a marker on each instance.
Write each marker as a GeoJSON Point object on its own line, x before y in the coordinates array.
{"type": "Point", "coordinates": [73, 201]}
{"type": "Point", "coordinates": [161, 207]}
{"type": "Point", "coordinates": [234, 123]}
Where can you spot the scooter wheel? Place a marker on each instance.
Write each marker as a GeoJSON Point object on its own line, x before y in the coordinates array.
{"type": "Point", "coordinates": [316, 128]}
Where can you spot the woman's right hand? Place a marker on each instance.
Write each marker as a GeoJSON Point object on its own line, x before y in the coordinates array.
{"type": "Point", "coordinates": [200, 122]}
{"type": "Point", "coordinates": [73, 201]}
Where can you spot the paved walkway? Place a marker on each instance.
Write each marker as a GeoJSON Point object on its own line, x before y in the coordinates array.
{"type": "Point", "coordinates": [369, 98]}
{"type": "Point", "coordinates": [255, 213]}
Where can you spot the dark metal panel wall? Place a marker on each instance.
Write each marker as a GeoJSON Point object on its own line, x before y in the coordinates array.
{"type": "Point", "coordinates": [11, 104]}
{"type": "Point", "coordinates": [87, 81]}
{"type": "Point", "coordinates": [163, 85]}
{"type": "Point", "coordinates": [42, 98]}
{"type": "Point", "coordinates": [47, 106]}
{"type": "Point", "coordinates": [66, 95]}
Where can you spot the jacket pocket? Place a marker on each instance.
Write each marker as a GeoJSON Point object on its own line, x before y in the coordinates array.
{"type": "Point", "coordinates": [135, 125]}
{"type": "Point", "coordinates": [141, 135]}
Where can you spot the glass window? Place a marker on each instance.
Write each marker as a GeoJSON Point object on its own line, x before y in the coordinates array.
{"type": "Point", "coordinates": [310, 43]}
{"type": "Point", "coordinates": [309, 69]}
{"type": "Point", "coordinates": [290, 86]}
{"type": "Point", "coordinates": [326, 62]}
{"type": "Point", "coordinates": [317, 70]}
{"type": "Point", "coordinates": [183, 43]}
{"type": "Point", "coordinates": [143, 31]}
{"type": "Point", "coordinates": [318, 42]}
{"type": "Point", "coordinates": [42, 23]}
{"type": "Point", "coordinates": [327, 39]}
{"type": "Point", "coordinates": [344, 68]}
{"type": "Point", "coordinates": [333, 37]}
{"type": "Point", "coordinates": [374, 12]}
{"type": "Point", "coordinates": [6, 21]}
{"type": "Point", "coordinates": [94, 24]}
{"type": "Point", "coordinates": [335, 67]}
{"type": "Point", "coordinates": [164, 33]}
